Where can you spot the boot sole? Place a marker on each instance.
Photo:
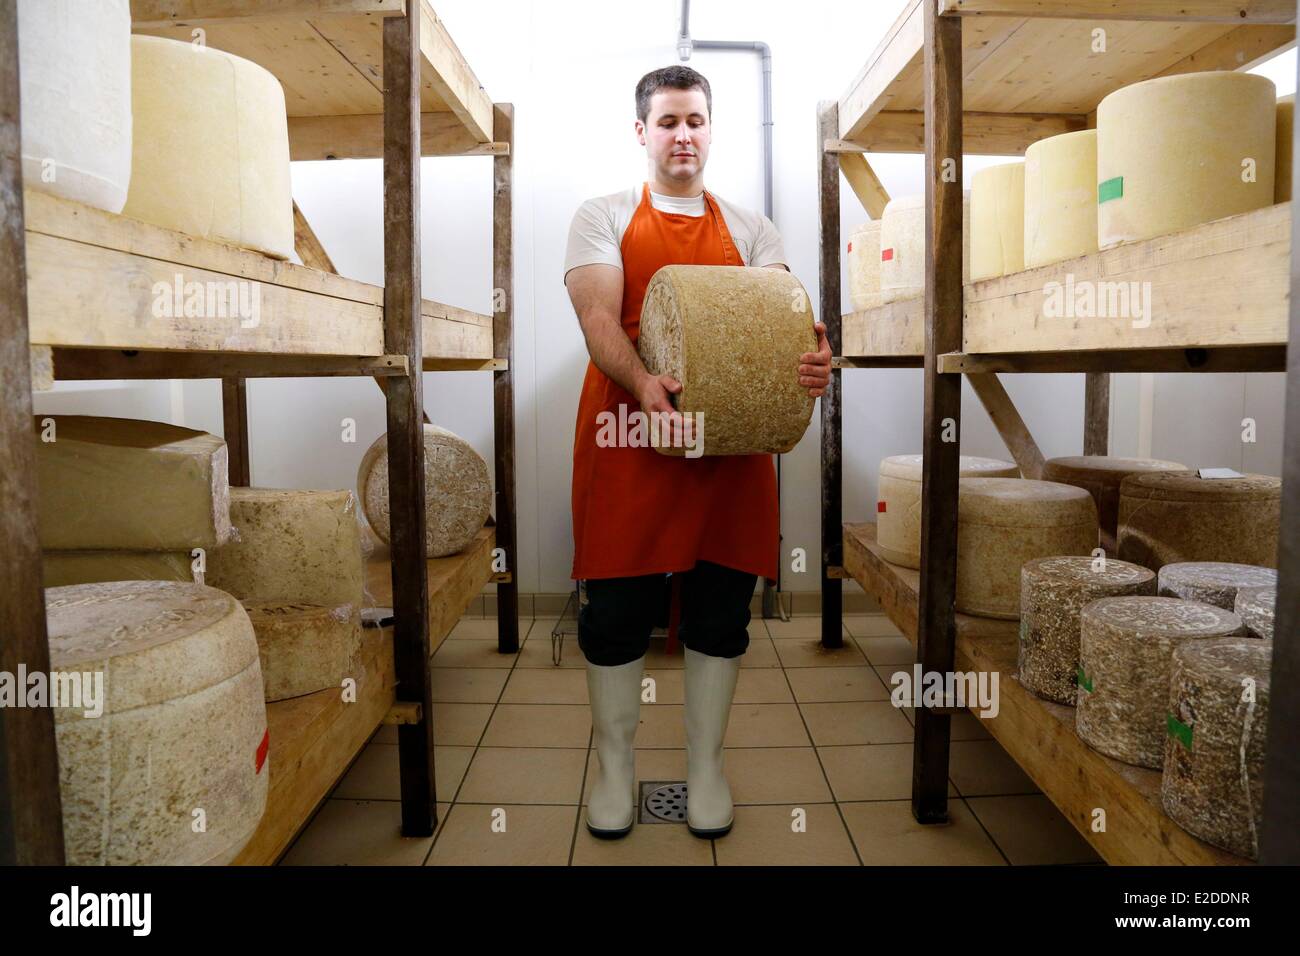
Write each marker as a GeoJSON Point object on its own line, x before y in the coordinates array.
{"type": "Point", "coordinates": [710, 834]}
{"type": "Point", "coordinates": [609, 834]}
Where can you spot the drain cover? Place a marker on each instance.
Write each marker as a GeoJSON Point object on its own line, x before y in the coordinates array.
{"type": "Point", "coordinates": [663, 801]}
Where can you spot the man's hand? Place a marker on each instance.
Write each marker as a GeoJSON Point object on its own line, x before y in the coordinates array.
{"type": "Point", "coordinates": [652, 392]}
{"type": "Point", "coordinates": [815, 367]}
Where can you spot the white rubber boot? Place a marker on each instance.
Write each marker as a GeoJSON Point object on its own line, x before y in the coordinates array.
{"type": "Point", "coordinates": [615, 694]}
{"type": "Point", "coordinates": [710, 685]}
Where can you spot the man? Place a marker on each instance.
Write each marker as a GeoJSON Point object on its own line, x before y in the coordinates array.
{"type": "Point", "coordinates": [638, 515]}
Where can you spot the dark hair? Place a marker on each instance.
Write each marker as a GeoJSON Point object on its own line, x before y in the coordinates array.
{"type": "Point", "coordinates": [673, 78]}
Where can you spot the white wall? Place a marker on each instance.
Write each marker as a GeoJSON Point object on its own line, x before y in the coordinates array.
{"type": "Point", "coordinates": [570, 70]}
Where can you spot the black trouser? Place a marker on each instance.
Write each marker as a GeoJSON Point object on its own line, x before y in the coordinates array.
{"type": "Point", "coordinates": [614, 626]}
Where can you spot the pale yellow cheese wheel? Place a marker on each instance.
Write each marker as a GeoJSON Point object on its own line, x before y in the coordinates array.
{"type": "Point", "coordinates": [733, 337]}
{"type": "Point", "coordinates": [1285, 132]}
{"type": "Point", "coordinates": [1175, 147]}
{"type": "Point", "coordinates": [304, 648]}
{"type": "Point", "coordinates": [182, 736]}
{"type": "Point", "coordinates": [1004, 522]}
{"type": "Point", "coordinates": [864, 266]}
{"type": "Point", "coordinates": [898, 502]}
{"type": "Point", "coordinates": [997, 221]}
{"type": "Point", "coordinates": [123, 484]}
{"type": "Point", "coordinates": [89, 567]}
{"type": "Point", "coordinates": [211, 146]}
{"type": "Point", "coordinates": [902, 247]}
{"type": "Point", "coordinates": [1061, 198]}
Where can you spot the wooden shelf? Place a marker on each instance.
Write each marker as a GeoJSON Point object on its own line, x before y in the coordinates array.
{"type": "Point", "coordinates": [315, 738]}
{"type": "Point", "coordinates": [1030, 70]}
{"type": "Point", "coordinates": [91, 277]}
{"type": "Point", "coordinates": [1040, 735]}
{"type": "Point", "coordinates": [1215, 300]}
{"type": "Point", "coordinates": [328, 56]}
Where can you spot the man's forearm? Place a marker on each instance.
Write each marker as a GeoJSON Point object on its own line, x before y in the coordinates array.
{"type": "Point", "coordinates": [614, 353]}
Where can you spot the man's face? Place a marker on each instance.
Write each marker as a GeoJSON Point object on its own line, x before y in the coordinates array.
{"type": "Point", "coordinates": [676, 133]}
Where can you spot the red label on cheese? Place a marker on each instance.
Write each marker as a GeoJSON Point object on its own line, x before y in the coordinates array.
{"type": "Point", "coordinates": [886, 255]}
{"type": "Point", "coordinates": [850, 247]}
{"type": "Point", "coordinates": [880, 507]}
{"type": "Point", "coordinates": [262, 749]}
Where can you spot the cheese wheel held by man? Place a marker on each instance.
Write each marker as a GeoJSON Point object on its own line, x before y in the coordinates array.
{"type": "Point", "coordinates": [732, 336]}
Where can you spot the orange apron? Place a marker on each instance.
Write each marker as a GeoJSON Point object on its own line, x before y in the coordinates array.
{"type": "Point", "coordinates": [636, 511]}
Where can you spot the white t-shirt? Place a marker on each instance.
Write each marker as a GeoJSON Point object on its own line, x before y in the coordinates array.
{"type": "Point", "coordinates": [596, 235]}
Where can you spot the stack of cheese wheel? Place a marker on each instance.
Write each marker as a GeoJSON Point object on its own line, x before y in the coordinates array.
{"type": "Point", "coordinates": [1213, 780]}
{"type": "Point", "coordinates": [1126, 646]}
{"type": "Point", "coordinates": [182, 737]}
{"type": "Point", "coordinates": [733, 337]}
{"type": "Point", "coordinates": [902, 247]}
{"type": "Point", "coordinates": [122, 499]}
{"type": "Point", "coordinates": [1101, 476]}
{"type": "Point", "coordinates": [1166, 517]}
{"type": "Point", "coordinates": [997, 221]}
{"type": "Point", "coordinates": [1282, 165]}
{"type": "Point", "coordinates": [1061, 198]}
{"type": "Point", "coordinates": [75, 62]}
{"type": "Point", "coordinates": [898, 506]}
{"type": "Point", "coordinates": [211, 146]}
{"type": "Point", "coordinates": [457, 490]}
{"type": "Point", "coordinates": [1004, 522]}
{"type": "Point", "coordinates": [864, 266]}
{"type": "Point", "coordinates": [297, 567]}
{"type": "Point", "coordinates": [1172, 152]}
{"type": "Point", "coordinates": [1053, 592]}
{"type": "Point", "coordinates": [1257, 607]}
{"type": "Point", "coordinates": [1213, 582]}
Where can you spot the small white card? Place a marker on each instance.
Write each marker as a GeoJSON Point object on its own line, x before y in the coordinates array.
{"type": "Point", "coordinates": [1218, 473]}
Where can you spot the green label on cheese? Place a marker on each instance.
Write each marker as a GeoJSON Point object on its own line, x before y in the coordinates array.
{"type": "Point", "coordinates": [1083, 680]}
{"type": "Point", "coordinates": [1178, 730]}
{"type": "Point", "coordinates": [1110, 189]}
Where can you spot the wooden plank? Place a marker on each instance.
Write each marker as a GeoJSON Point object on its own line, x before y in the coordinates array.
{"type": "Point", "coordinates": [1040, 735]}
{"type": "Point", "coordinates": [832, 463]}
{"type": "Point", "coordinates": [1208, 11]}
{"type": "Point", "coordinates": [503, 381]}
{"type": "Point", "coordinates": [899, 51]}
{"type": "Point", "coordinates": [90, 364]}
{"type": "Point", "coordinates": [865, 183]}
{"type": "Point", "coordinates": [308, 247]}
{"type": "Point", "coordinates": [936, 626]}
{"type": "Point", "coordinates": [893, 330]}
{"type": "Point", "coordinates": [1223, 283]}
{"type": "Point", "coordinates": [361, 136]}
{"type": "Point", "coordinates": [1238, 49]}
{"type": "Point", "coordinates": [31, 818]}
{"type": "Point", "coordinates": [446, 73]}
{"type": "Point", "coordinates": [153, 14]}
{"type": "Point", "coordinates": [234, 417]}
{"type": "Point", "coordinates": [405, 406]}
{"type": "Point", "coordinates": [994, 134]}
{"type": "Point", "coordinates": [1096, 413]}
{"type": "Point", "coordinates": [1262, 358]}
{"type": "Point", "coordinates": [314, 739]}
{"type": "Point", "coordinates": [1006, 419]}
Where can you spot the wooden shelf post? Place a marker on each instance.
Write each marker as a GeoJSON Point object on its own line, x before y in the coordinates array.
{"type": "Point", "coordinates": [828, 185]}
{"type": "Point", "coordinates": [503, 380]}
{"type": "Point", "coordinates": [936, 620]}
{"type": "Point", "coordinates": [402, 321]}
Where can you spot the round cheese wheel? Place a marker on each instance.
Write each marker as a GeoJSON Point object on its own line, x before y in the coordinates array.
{"type": "Point", "coordinates": [1126, 646]}
{"type": "Point", "coordinates": [293, 545]}
{"type": "Point", "coordinates": [733, 337]}
{"type": "Point", "coordinates": [1257, 607]}
{"type": "Point", "coordinates": [1053, 592]}
{"type": "Point", "coordinates": [1212, 582]}
{"type": "Point", "coordinates": [997, 221]}
{"type": "Point", "coordinates": [864, 266]}
{"type": "Point", "coordinates": [898, 504]}
{"type": "Point", "coordinates": [457, 491]}
{"type": "Point", "coordinates": [1004, 522]}
{"type": "Point", "coordinates": [1061, 198]}
{"type": "Point", "coordinates": [1213, 780]}
{"type": "Point", "coordinates": [1177, 151]}
{"type": "Point", "coordinates": [902, 247]}
{"type": "Point", "coordinates": [304, 648]}
{"type": "Point", "coordinates": [1285, 132]}
{"type": "Point", "coordinates": [1166, 517]}
{"type": "Point", "coordinates": [1101, 476]}
{"type": "Point", "coordinates": [74, 59]}
{"type": "Point", "coordinates": [211, 146]}
{"type": "Point", "coordinates": [173, 771]}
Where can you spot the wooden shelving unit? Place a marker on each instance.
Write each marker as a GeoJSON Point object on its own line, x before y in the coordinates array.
{"type": "Point", "coordinates": [362, 78]}
{"type": "Point", "coordinates": [956, 77]}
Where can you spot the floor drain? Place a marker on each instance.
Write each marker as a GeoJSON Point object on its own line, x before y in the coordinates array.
{"type": "Point", "coordinates": [663, 801]}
